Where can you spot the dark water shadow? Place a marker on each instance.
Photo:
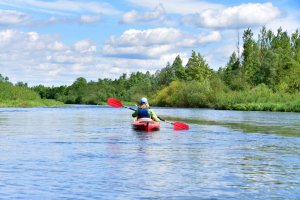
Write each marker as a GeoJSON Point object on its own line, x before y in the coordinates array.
{"type": "Point", "coordinates": [292, 130]}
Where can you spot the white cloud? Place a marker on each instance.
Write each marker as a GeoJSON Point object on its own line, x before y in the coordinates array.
{"type": "Point", "coordinates": [179, 6]}
{"type": "Point", "coordinates": [244, 15]}
{"type": "Point", "coordinates": [36, 58]}
{"type": "Point", "coordinates": [63, 6]}
{"type": "Point", "coordinates": [44, 59]}
{"type": "Point", "coordinates": [13, 17]}
{"type": "Point", "coordinates": [61, 11]}
{"type": "Point", "coordinates": [134, 17]}
{"type": "Point", "coordinates": [57, 46]}
{"type": "Point", "coordinates": [289, 22]}
{"type": "Point", "coordinates": [147, 37]}
{"type": "Point", "coordinates": [153, 43]}
{"type": "Point", "coordinates": [89, 19]}
{"type": "Point", "coordinates": [212, 37]}
{"type": "Point", "coordinates": [84, 46]}
{"type": "Point", "coordinates": [212, 15]}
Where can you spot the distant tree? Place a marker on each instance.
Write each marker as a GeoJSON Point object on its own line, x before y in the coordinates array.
{"type": "Point", "coordinates": [21, 84]}
{"type": "Point", "coordinates": [295, 43]}
{"type": "Point", "coordinates": [197, 68]}
{"type": "Point", "coordinates": [178, 69]}
{"type": "Point", "coordinates": [250, 57]}
{"type": "Point", "coordinates": [165, 76]}
{"type": "Point", "coordinates": [232, 74]}
{"type": "Point", "coordinates": [4, 79]}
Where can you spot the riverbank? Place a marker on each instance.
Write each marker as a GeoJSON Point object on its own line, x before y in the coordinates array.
{"type": "Point", "coordinates": [259, 98]}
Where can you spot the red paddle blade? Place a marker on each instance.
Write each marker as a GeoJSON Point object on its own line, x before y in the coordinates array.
{"type": "Point", "coordinates": [180, 126]}
{"type": "Point", "coordinates": [114, 103]}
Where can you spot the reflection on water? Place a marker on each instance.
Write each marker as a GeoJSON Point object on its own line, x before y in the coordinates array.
{"type": "Point", "coordinates": [290, 128]}
{"type": "Point", "coordinates": [91, 152]}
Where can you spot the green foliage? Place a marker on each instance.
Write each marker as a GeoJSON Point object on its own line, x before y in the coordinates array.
{"type": "Point", "coordinates": [8, 91]}
{"type": "Point", "coordinates": [20, 96]}
{"type": "Point", "coordinates": [232, 74]}
{"type": "Point", "coordinates": [172, 95]}
{"type": "Point", "coordinates": [171, 73]}
{"type": "Point", "coordinates": [197, 68]}
{"type": "Point", "coordinates": [259, 98]}
{"type": "Point", "coordinates": [184, 94]}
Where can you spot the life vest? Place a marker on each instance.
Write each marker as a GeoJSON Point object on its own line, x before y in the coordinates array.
{"type": "Point", "coordinates": [143, 113]}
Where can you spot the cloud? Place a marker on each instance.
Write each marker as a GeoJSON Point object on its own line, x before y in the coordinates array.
{"type": "Point", "coordinates": [289, 22]}
{"type": "Point", "coordinates": [58, 12]}
{"type": "Point", "coordinates": [242, 16]}
{"type": "Point", "coordinates": [212, 15]}
{"type": "Point", "coordinates": [35, 58]}
{"type": "Point", "coordinates": [54, 20]}
{"type": "Point", "coordinates": [44, 59]}
{"type": "Point", "coordinates": [90, 19]}
{"type": "Point", "coordinates": [134, 17]}
{"type": "Point", "coordinates": [134, 37]}
{"type": "Point", "coordinates": [13, 17]}
{"type": "Point", "coordinates": [179, 6]}
{"type": "Point", "coordinates": [63, 7]}
{"type": "Point", "coordinates": [152, 43]}
{"type": "Point", "coordinates": [84, 46]}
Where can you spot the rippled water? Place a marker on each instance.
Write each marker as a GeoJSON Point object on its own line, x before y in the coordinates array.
{"type": "Point", "coordinates": [91, 152]}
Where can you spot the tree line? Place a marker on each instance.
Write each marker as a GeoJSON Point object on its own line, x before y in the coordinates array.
{"type": "Point", "coordinates": [264, 77]}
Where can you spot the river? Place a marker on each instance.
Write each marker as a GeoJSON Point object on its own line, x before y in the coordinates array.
{"type": "Point", "coordinates": [91, 152]}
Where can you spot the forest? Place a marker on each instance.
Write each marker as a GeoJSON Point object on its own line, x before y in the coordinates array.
{"type": "Point", "coordinates": [266, 76]}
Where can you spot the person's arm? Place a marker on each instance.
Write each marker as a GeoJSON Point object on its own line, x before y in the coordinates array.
{"type": "Point", "coordinates": [153, 115]}
{"type": "Point", "coordinates": [134, 114]}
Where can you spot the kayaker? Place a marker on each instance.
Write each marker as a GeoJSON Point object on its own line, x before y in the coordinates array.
{"type": "Point", "coordinates": [144, 111]}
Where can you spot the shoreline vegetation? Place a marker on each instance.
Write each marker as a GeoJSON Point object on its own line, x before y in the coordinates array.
{"type": "Point", "coordinates": [18, 96]}
{"type": "Point", "coordinates": [265, 77]}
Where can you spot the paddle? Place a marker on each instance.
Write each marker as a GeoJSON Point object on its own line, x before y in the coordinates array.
{"type": "Point", "coordinates": [118, 104]}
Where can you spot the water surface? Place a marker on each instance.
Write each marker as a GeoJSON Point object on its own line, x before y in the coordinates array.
{"type": "Point", "coordinates": [91, 152]}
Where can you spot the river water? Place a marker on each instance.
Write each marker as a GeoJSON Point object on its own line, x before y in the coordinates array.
{"type": "Point", "coordinates": [91, 152]}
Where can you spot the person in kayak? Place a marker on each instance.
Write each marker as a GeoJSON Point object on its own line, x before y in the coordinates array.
{"type": "Point", "coordinates": [144, 111]}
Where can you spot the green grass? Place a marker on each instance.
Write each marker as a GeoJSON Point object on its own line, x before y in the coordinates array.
{"type": "Point", "coordinates": [30, 103]}
{"type": "Point", "coordinates": [260, 98]}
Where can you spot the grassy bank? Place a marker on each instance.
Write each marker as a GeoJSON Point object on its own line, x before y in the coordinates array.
{"type": "Point", "coordinates": [204, 95]}
{"type": "Point", "coordinates": [16, 96]}
{"type": "Point", "coordinates": [260, 98]}
{"type": "Point", "coordinates": [30, 103]}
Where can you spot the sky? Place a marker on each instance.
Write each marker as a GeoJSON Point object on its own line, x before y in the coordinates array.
{"type": "Point", "coordinates": [53, 42]}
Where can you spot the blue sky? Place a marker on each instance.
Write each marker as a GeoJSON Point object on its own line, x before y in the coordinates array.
{"type": "Point", "coordinates": [54, 42]}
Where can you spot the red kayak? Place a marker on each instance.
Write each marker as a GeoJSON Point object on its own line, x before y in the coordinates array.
{"type": "Point", "coordinates": [146, 125]}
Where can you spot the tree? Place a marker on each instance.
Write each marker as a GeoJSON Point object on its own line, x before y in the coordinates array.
{"type": "Point", "coordinates": [295, 42]}
{"type": "Point", "coordinates": [4, 79]}
{"type": "Point", "coordinates": [178, 69]}
{"type": "Point", "coordinates": [21, 84]}
{"type": "Point", "coordinates": [231, 75]}
{"type": "Point", "coordinates": [165, 76]}
{"type": "Point", "coordinates": [197, 68]}
{"type": "Point", "coordinates": [250, 56]}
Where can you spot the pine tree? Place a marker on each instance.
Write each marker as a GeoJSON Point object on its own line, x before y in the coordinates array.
{"type": "Point", "coordinates": [197, 68]}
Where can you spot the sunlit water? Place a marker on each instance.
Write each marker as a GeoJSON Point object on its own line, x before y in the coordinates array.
{"type": "Point", "coordinates": [91, 152]}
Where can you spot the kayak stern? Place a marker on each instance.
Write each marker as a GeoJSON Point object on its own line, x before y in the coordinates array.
{"type": "Point", "coordinates": [146, 125]}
